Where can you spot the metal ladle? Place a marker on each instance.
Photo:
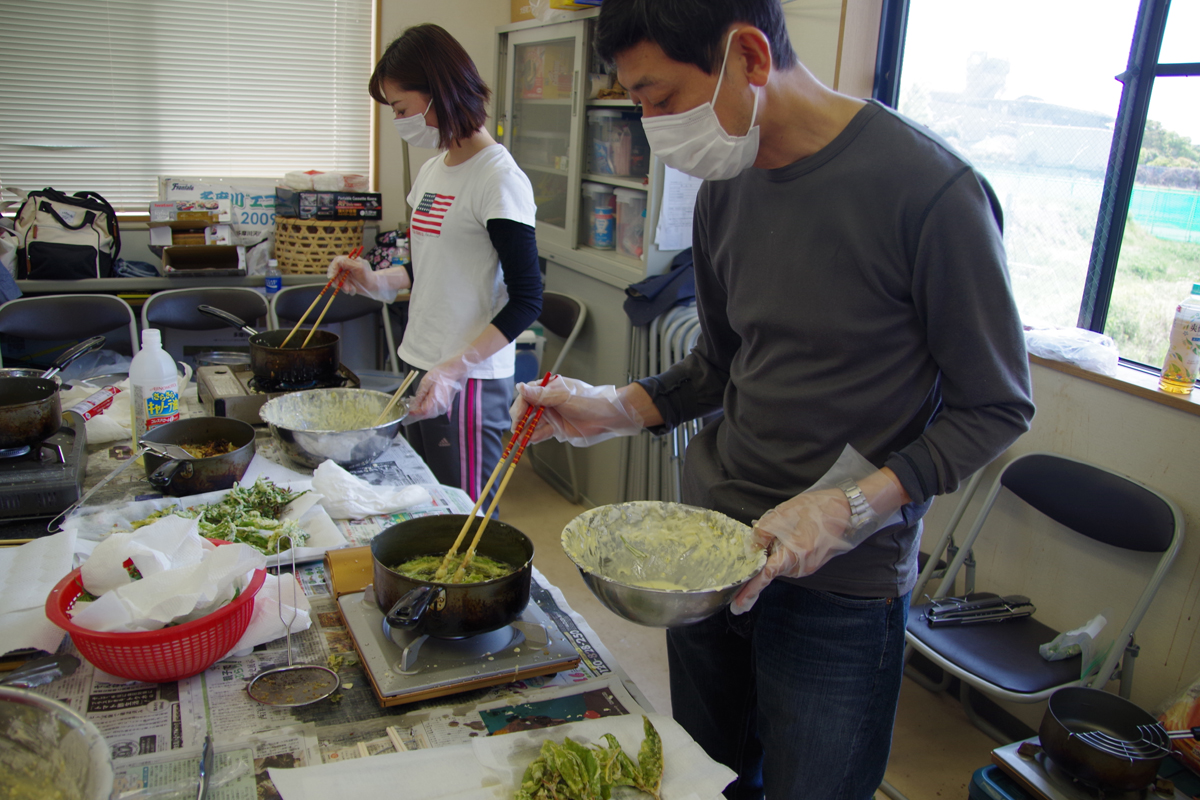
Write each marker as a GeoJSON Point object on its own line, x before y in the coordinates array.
{"type": "Point", "coordinates": [295, 684]}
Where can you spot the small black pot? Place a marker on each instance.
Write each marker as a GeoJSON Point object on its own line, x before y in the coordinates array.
{"type": "Point", "coordinates": [1077, 710]}
{"type": "Point", "coordinates": [450, 610]}
{"type": "Point", "coordinates": [179, 477]}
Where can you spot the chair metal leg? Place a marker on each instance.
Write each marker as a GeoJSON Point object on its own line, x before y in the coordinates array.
{"type": "Point", "coordinates": [1126, 672]}
{"type": "Point", "coordinates": [571, 471]}
{"type": "Point", "coordinates": [921, 679]}
{"type": "Point", "coordinates": [891, 791]}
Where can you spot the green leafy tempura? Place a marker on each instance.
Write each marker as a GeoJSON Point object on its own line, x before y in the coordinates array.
{"type": "Point", "coordinates": [246, 515]}
{"type": "Point", "coordinates": [571, 771]}
{"type": "Point", "coordinates": [479, 570]}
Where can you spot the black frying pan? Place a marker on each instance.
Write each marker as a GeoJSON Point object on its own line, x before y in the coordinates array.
{"type": "Point", "coordinates": [318, 361]}
{"type": "Point", "coordinates": [30, 410]}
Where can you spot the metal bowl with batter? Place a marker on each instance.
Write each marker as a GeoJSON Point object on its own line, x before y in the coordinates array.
{"type": "Point", "coordinates": [662, 564]}
{"type": "Point", "coordinates": [335, 424]}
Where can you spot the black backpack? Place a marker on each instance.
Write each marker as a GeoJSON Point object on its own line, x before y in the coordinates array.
{"type": "Point", "coordinates": [63, 237]}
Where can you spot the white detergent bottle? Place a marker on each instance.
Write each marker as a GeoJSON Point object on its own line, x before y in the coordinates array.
{"type": "Point", "coordinates": [153, 386]}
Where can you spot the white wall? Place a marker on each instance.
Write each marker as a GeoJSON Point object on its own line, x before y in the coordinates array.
{"type": "Point", "coordinates": [473, 23]}
{"type": "Point", "coordinates": [1149, 441]}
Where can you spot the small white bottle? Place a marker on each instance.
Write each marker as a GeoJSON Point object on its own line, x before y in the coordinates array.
{"type": "Point", "coordinates": [273, 281]}
{"type": "Point", "coordinates": [153, 385]}
{"type": "Point", "coordinates": [1183, 353]}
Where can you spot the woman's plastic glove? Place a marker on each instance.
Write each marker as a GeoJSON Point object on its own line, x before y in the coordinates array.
{"type": "Point", "coordinates": [805, 532]}
{"type": "Point", "coordinates": [361, 279]}
{"type": "Point", "coordinates": [577, 412]}
{"type": "Point", "coordinates": [438, 388]}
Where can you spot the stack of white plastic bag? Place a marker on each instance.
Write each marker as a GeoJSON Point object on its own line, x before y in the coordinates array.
{"type": "Point", "coordinates": [1085, 349]}
{"type": "Point", "coordinates": [346, 496]}
{"type": "Point", "coordinates": [183, 577]}
{"type": "Point", "coordinates": [316, 180]}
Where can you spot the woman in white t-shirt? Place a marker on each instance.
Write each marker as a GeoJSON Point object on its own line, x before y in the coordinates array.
{"type": "Point", "coordinates": [475, 278]}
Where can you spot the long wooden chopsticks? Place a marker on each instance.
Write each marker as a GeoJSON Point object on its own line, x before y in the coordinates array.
{"type": "Point", "coordinates": [521, 431]}
{"type": "Point", "coordinates": [325, 310]}
{"type": "Point", "coordinates": [340, 274]}
{"type": "Point", "coordinates": [408, 379]}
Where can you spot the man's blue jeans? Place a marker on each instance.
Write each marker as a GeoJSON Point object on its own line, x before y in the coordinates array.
{"type": "Point", "coordinates": [798, 695]}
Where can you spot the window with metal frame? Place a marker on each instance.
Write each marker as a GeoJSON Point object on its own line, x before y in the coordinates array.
{"type": "Point", "coordinates": [1085, 118]}
{"type": "Point", "coordinates": [109, 95]}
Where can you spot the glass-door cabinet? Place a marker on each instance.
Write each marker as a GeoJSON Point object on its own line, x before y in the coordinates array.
{"type": "Point", "coordinates": [579, 138]}
{"type": "Point", "coordinates": [541, 120]}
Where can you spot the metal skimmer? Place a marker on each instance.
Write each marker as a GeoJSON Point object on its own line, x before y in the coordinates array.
{"type": "Point", "coordinates": [295, 684]}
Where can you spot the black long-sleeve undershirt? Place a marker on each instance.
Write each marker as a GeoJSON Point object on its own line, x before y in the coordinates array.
{"type": "Point", "coordinates": [516, 243]}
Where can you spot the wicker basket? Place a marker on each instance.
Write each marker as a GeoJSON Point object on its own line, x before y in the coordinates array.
{"type": "Point", "coordinates": [306, 246]}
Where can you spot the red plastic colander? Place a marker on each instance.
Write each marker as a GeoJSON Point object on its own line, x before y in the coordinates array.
{"type": "Point", "coordinates": [169, 654]}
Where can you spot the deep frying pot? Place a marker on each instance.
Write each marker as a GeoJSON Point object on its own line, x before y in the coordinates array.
{"type": "Point", "coordinates": [180, 477]}
{"type": "Point", "coordinates": [317, 361]}
{"type": "Point", "coordinates": [1076, 710]}
{"type": "Point", "coordinates": [30, 410]}
{"type": "Point", "coordinates": [450, 610]}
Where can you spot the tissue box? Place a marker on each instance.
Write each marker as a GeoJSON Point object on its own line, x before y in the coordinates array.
{"type": "Point", "coordinates": [327, 205]}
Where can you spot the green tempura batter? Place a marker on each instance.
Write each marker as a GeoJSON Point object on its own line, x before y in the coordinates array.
{"type": "Point", "coordinates": [479, 570]}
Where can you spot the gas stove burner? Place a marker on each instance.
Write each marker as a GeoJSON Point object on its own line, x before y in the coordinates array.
{"type": "Point", "coordinates": [404, 667]}
{"type": "Point", "coordinates": [46, 451]}
{"type": "Point", "coordinates": [1040, 776]}
{"type": "Point", "coordinates": [15, 452]}
{"type": "Point", "coordinates": [44, 479]}
{"type": "Point", "coordinates": [239, 394]}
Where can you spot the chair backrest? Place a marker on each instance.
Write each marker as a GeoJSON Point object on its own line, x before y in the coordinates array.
{"type": "Point", "coordinates": [177, 308]}
{"type": "Point", "coordinates": [562, 315]}
{"type": "Point", "coordinates": [64, 317]}
{"type": "Point", "coordinates": [1097, 503]}
{"type": "Point", "coordinates": [290, 303]}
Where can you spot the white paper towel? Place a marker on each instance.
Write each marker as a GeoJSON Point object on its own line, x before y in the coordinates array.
{"type": "Point", "coordinates": [27, 574]}
{"type": "Point", "coordinates": [490, 768]}
{"type": "Point", "coordinates": [347, 496]}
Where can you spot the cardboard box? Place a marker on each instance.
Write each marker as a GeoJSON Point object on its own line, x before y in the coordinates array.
{"type": "Point", "coordinates": [521, 10]}
{"type": "Point", "coordinates": [327, 205]}
{"type": "Point", "coordinates": [204, 261]}
{"type": "Point", "coordinates": [251, 202]}
{"type": "Point", "coordinates": [198, 212]}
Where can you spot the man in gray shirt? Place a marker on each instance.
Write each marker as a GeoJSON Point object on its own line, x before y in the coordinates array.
{"type": "Point", "coordinates": [860, 336]}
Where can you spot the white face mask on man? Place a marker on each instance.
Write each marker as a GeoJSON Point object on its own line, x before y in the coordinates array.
{"type": "Point", "coordinates": [694, 141]}
{"type": "Point", "coordinates": [416, 131]}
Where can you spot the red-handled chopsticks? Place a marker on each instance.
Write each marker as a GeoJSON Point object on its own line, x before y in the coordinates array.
{"type": "Point", "coordinates": [340, 277]}
{"type": "Point", "coordinates": [523, 432]}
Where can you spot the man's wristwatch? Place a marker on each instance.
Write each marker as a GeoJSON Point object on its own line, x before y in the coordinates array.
{"type": "Point", "coordinates": [861, 513]}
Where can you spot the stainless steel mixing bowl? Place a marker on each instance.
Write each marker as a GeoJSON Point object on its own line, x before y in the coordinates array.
{"type": "Point", "coordinates": [616, 544]}
{"type": "Point", "coordinates": [47, 749]}
{"type": "Point", "coordinates": [318, 424]}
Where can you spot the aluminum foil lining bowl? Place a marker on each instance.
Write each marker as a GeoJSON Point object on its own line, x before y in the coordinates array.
{"type": "Point", "coordinates": [335, 424]}
{"type": "Point", "coordinates": [48, 750]}
{"type": "Point", "coordinates": [662, 564]}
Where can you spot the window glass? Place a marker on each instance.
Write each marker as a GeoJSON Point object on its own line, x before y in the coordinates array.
{"type": "Point", "coordinates": [1033, 110]}
{"type": "Point", "coordinates": [109, 96]}
{"type": "Point", "coordinates": [1160, 249]}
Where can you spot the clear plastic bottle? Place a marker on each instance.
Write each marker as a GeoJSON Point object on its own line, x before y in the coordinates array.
{"type": "Point", "coordinates": [1183, 353]}
{"type": "Point", "coordinates": [153, 385]}
{"type": "Point", "coordinates": [273, 281]}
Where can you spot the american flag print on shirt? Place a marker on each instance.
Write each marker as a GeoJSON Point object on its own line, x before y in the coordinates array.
{"type": "Point", "coordinates": [429, 213]}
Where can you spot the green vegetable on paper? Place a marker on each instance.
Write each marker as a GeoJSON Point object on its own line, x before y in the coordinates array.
{"type": "Point", "coordinates": [246, 515]}
{"type": "Point", "coordinates": [572, 771]}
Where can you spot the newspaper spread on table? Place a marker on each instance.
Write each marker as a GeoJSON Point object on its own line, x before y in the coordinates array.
{"type": "Point", "coordinates": [156, 731]}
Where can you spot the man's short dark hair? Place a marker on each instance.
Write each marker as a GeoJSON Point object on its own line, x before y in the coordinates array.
{"type": "Point", "coordinates": [426, 58]}
{"type": "Point", "coordinates": [690, 31]}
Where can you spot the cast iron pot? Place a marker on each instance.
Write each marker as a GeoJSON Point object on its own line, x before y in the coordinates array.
{"type": "Point", "coordinates": [30, 410]}
{"type": "Point", "coordinates": [450, 610]}
{"type": "Point", "coordinates": [1077, 710]}
{"type": "Point", "coordinates": [179, 477]}
{"type": "Point", "coordinates": [318, 361]}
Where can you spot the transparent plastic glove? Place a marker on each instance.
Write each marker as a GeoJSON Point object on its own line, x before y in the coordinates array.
{"type": "Point", "coordinates": [382, 285]}
{"type": "Point", "coordinates": [805, 532]}
{"type": "Point", "coordinates": [577, 412]}
{"type": "Point", "coordinates": [439, 386]}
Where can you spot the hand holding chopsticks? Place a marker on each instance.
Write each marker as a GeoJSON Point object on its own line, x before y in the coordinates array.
{"type": "Point", "coordinates": [521, 431]}
{"type": "Point", "coordinates": [340, 277]}
{"type": "Point", "coordinates": [408, 379]}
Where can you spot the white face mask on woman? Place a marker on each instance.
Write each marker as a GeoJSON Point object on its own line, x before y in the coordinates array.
{"type": "Point", "coordinates": [416, 131]}
{"type": "Point", "coordinates": [694, 141]}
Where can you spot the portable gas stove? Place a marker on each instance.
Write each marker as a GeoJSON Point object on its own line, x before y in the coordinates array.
{"type": "Point", "coordinates": [404, 668]}
{"type": "Point", "coordinates": [1045, 780]}
{"type": "Point", "coordinates": [236, 393]}
{"type": "Point", "coordinates": [42, 480]}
